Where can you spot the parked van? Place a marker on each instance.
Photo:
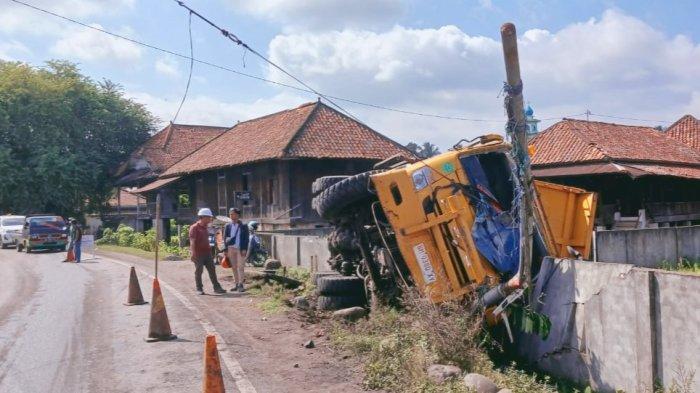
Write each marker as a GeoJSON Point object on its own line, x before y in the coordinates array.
{"type": "Point", "coordinates": [10, 229]}
{"type": "Point", "coordinates": [43, 232]}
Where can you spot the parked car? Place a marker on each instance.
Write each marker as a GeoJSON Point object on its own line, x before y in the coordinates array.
{"type": "Point", "coordinates": [45, 232]}
{"type": "Point", "coordinates": [10, 229]}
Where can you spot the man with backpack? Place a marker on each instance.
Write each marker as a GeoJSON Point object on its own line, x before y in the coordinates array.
{"type": "Point", "coordinates": [236, 240]}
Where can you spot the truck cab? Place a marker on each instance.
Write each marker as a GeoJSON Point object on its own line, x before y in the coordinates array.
{"type": "Point", "coordinates": [449, 225]}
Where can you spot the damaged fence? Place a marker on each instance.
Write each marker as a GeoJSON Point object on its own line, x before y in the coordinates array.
{"type": "Point", "coordinates": [616, 326]}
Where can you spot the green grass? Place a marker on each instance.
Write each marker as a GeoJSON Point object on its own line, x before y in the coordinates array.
{"type": "Point", "coordinates": [131, 251]}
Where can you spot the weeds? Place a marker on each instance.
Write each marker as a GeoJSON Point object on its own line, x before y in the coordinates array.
{"type": "Point", "coordinates": [683, 265]}
{"type": "Point", "coordinates": [397, 347]}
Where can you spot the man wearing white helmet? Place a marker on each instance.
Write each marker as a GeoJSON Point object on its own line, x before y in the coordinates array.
{"type": "Point", "coordinates": [201, 251]}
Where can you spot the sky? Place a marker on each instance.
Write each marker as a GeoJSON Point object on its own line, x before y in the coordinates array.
{"type": "Point", "coordinates": [628, 62]}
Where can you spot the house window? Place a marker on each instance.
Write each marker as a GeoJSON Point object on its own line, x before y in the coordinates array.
{"type": "Point", "coordinates": [221, 190]}
{"type": "Point", "coordinates": [199, 193]}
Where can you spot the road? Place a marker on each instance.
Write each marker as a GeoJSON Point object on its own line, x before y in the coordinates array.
{"type": "Point", "coordinates": [63, 328]}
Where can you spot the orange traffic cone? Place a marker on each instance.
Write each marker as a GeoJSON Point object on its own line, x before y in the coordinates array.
{"type": "Point", "coordinates": [213, 380]}
{"type": "Point", "coordinates": [70, 257]}
{"type": "Point", "coordinates": [135, 296]}
{"type": "Point", "coordinates": [159, 326]}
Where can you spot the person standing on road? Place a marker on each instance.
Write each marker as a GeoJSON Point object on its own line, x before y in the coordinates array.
{"type": "Point", "coordinates": [236, 239]}
{"type": "Point", "coordinates": [71, 235]}
{"type": "Point", "coordinates": [76, 238]}
{"type": "Point", "coordinates": [201, 251]}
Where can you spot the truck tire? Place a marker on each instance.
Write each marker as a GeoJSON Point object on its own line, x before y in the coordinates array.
{"type": "Point", "coordinates": [324, 182]}
{"type": "Point", "coordinates": [339, 302]}
{"type": "Point", "coordinates": [334, 199]}
{"type": "Point", "coordinates": [340, 286]}
{"type": "Point", "coordinates": [317, 276]}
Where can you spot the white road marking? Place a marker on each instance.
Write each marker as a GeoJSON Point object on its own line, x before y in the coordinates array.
{"type": "Point", "coordinates": [233, 366]}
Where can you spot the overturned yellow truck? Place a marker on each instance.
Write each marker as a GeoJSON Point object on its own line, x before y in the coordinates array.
{"type": "Point", "coordinates": [448, 225]}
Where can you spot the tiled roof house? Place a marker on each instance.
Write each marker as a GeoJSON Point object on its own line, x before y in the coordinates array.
{"type": "Point", "coordinates": [265, 166]}
{"type": "Point", "coordinates": [631, 167]}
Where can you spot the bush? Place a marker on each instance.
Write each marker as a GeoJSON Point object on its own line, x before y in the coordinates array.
{"type": "Point", "coordinates": [126, 236]}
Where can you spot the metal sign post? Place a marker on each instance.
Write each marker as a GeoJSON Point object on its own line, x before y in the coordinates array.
{"type": "Point", "coordinates": [158, 225]}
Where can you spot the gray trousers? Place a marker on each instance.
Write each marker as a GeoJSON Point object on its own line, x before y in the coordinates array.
{"type": "Point", "coordinates": [199, 264]}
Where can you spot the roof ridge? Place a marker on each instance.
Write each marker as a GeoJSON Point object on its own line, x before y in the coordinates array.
{"type": "Point", "coordinates": [275, 113]}
{"type": "Point", "coordinates": [587, 142]}
{"type": "Point", "coordinates": [369, 128]}
{"type": "Point", "coordinates": [309, 117]}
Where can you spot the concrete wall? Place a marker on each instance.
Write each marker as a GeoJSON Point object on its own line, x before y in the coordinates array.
{"type": "Point", "coordinates": [648, 247]}
{"type": "Point", "coordinates": [615, 326]}
{"type": "Point", "coordinates": [308, 250]}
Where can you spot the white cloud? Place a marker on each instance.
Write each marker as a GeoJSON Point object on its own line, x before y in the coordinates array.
{"type": "Point", "coordinates": [324, 14]}
{"type": "Point", "coordinates": [616, 64]}
{"type": "Point", "coordinates": [91, 45]}
{"type": "Point", "coordinates": [167, 66]}
{"type": "Point", "coordinates": [9, 48]}
{"type": "Point", "coordinates": [16, 18]}
{"type": "Point", "coordinates": [207, 110]}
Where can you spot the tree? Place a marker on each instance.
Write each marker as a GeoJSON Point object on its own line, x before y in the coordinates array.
{"type": "Point", "coordinates": [61, 135]}
{"type": "Point", "coordinates": [425, 150]}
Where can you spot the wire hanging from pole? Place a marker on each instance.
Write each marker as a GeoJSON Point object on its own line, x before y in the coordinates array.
{"type": "Point", "coordinates": [240, 42]}
{"type": "Point", "coordinates": [189, 77]}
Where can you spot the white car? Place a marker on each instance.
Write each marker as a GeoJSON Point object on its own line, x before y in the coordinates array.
{"type": "Point", "coordinates": [10, 229]}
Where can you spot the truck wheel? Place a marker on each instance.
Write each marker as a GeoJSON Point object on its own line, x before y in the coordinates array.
{"type": "Point", "coordinates": [317, 276]}
{"type": "Point", "coordinates": [339, 302]}
{"type": "Point", "coordinates": [340, 286]}
{"type": "Point", "coordinates": [334, 199]}
{"type": "Point", "coordinates": [324, 182]}
{"type": "Point", "coordinates": [20, 246]}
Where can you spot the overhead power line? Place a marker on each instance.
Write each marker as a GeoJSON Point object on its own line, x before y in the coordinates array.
{"type": "Point", "coordinates": [191, 58]}
{"type": "Point", "coordinates": [247, 75]}
{"type": "Point", "coordinates": [245, 46]}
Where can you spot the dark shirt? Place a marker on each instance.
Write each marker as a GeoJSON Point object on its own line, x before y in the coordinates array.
{"type": "Point", "coordinates": [199, 239]}
{"type": "Point", "coordinates": [242, 235]}
{"type": "Point", "coordinates": [78, 234]}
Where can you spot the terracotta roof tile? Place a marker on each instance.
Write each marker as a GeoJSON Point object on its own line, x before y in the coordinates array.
{"type": "Point", "coordinates": [175, 142]}
{"type": "Point", "coordinates": [312, 130]}
{"type": "Point", "coordinates": [686, 130]}
{"type": "Point", "coordinates": [577, 141]}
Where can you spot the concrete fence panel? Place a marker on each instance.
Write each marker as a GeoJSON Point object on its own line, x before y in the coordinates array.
{"type": "Point", "coordinates": [616, 326]}
{"type": "Point", "coordinates": [648, 247]}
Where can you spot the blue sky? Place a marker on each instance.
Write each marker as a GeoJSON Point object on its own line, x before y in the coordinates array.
{"type": "Point", "coordinates": [630, 59]}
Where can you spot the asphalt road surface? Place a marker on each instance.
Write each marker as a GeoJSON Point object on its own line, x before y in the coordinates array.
{"type": "Point", "coordinates": [63, 328]}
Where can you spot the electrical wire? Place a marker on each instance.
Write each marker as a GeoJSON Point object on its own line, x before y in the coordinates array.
{"type": "Point", "coordinates": [629, 118]}
{"type": "Point", "coordinates": [239, 42]}
{"type": "Point", "coordinates": [285, 85]}
{"type": "Point", "coordinates": [189, 77]}
{"type": "Point", "coordinates": [244, 74]}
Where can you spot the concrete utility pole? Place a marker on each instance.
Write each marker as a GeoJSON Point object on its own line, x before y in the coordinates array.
{"type": "Point", "coordinates": [517, 131]}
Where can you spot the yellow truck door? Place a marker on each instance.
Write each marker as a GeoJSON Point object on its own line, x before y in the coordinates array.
{"type": "Point", "coordinates": [566, 216]}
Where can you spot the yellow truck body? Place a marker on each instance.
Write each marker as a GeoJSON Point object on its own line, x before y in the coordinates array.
{"type": "Point", "coordinates": [436, 243]}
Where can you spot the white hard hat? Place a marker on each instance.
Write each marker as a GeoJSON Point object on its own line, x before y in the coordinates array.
{"type": "Point", "coordinates": [205, 212]}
